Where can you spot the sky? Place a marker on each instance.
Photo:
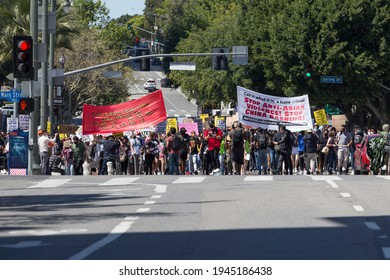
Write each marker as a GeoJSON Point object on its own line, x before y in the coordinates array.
{"type": "Point", "coordinates": [121, 7]}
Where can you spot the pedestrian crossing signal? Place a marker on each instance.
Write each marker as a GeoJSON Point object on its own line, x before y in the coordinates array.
{"type": "Point", "coordinates": [26, 106]}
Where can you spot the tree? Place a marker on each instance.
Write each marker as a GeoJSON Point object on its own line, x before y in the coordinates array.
{"type": "Point", "coordinates": [92, 87]}
{"type": "Point", "coordinates": [92, 13]}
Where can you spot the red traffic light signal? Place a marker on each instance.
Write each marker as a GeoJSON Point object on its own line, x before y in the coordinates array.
{"type": "Point", "coordinates": [25, 106]}
{"type": "Point", "coordinates": [23, 57]}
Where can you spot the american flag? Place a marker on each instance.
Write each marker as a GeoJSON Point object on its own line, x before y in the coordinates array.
{"type": "Point", "coordinates": [18, 171]}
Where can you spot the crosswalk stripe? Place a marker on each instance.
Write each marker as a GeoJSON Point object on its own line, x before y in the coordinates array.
{"type": "Point", "coordinates": [186, 180]}
{"type": "Point", "coordinates": [326, 177]}
{"type": "Point", "coordinates": [258, 178]}
{"type": "Point", "coordinates": [50, 183]}
{"type": "Point", "coordinates": [119, 181]}
{"type": "Point", "coordinates": [384, 177]}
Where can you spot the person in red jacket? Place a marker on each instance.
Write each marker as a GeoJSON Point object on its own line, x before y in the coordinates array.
{"type": "Point", "coordinates": [213, 135]}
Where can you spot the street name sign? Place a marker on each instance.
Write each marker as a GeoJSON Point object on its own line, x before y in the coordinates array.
{"type": "Point", "coordinates": [331, 79]}
{"type": "Point", "coordinates": [188, 66]}
{"type": "Point", "coordinates": [12, 95]}
{"type": "Point", "coordinates": [58, 101]}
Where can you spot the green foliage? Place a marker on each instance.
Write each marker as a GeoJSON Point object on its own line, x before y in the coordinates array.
{"type": "Point", "coordinates": [339, 38]}
{"type": "Point", "coordinates": [91, 13]}
{"type": "Point", "coordinates": [91, 87]}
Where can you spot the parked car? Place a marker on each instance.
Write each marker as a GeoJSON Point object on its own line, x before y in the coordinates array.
{"type": "Point", "coordinates": [165, 83]}
{"type": "Point", "coordinates": [362, 161]}
{"type": "Point", "coordinates": [150, 84]}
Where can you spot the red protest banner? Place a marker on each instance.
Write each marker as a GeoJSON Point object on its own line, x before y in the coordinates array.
{"type": "Point", "coordinates": [143, 112]}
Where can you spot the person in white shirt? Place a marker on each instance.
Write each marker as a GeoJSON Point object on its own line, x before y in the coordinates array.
{"type": "Point", "coordinates": [43, 144]}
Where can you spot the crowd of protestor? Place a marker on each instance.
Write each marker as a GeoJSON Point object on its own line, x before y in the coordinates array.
{"type": "Point", "coordinates": [238, 150]}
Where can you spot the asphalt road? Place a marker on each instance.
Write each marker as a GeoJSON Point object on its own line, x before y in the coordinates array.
{"type": "Point", "coordinates": [176, 104]}
{"type": "Point", "coordinates": [195, 217]}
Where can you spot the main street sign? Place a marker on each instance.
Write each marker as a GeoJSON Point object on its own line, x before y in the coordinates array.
{"type": "Point", "coordinates": [12, 95]}
{"type": "Point", "coordinates": [331, 79]}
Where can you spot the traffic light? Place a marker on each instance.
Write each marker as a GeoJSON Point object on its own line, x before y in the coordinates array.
{"type": "Point", "coordinates": [308, 70]}
{"type": "Point", "coordinates": [129, 26]}
{"type": "Point", "coordinates": [23, 57]}
{"type": "Point", "coordinates": [26, 106]}
{"type": "Point", "coordinates": [220, 62]}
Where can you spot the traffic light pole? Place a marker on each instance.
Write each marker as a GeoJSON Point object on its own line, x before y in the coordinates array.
{"type": "Point", "coordinates": [79, 71]}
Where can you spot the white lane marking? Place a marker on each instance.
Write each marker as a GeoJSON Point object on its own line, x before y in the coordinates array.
{"type": "Point", "coordinates": [358, 208]}
{"type": "Point", "coordinates": [143, 210]}
{"type": "Point", "coordinates": [156, 196]}
{"type": "Point", "coordinates": [47, 232]}
{"type": "Point", "coordinates": [325, 178]}
{"type": "Point", "coordinates": [386, 252]}
{"type": "Point", "coordinates": [258, 178]}
{"type": "Point", "coordinates": [160, 188]}
{"type": "Point", "coordinates": [372, 225]}
{"type": "Point", "coordinates": [149, 202]}
{"type": "Point", "coordinates": [345, 194]}
{"type": "Point", "coordinates": [131, 218]}
{"type": "Point", "coordinates": [50, 183]}
{"type": "Point", "coordinates": [119, 181]}
{"type": "Point", "coordinates": [185, 180]}
{"type": "Point", "coordinates": [120, 229]}
{"type": "Point", "coordinates": [332, 184]}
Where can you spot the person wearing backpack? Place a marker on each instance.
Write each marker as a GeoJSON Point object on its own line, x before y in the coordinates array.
{"type": "Point", "coordinates": [238, 136]}
{"type": "Point", "coordinates": [261, 142]}
{"type": "Point", "coordinates": [213, 135]}
{"type": "Point", "coordinates": [173, 146]}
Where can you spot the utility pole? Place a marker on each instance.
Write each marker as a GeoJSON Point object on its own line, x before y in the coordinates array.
{"type": "Point", "coordinates": [44, 81]}
{"type": "Point", "coordinates": [51, 66]}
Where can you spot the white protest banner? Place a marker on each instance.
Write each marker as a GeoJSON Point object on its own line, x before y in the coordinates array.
{"type": "Point", "coordinates": [12, 124]}
{"type": "Point", "coordinates": [24, 122]}
{"type": "Point", "coordinates": [267, 111]}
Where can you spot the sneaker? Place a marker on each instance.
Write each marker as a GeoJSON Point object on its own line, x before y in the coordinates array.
{"type": "Point", "coordinates": [196, 172]}
{"type": "Point", "coordinates": [216, 170]}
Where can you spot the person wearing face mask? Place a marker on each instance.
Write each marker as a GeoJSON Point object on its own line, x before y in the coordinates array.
{"type": "Point", "coordinates": [344, 141]}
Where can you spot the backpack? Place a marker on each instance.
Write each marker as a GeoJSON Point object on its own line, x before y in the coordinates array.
{"type": "Point", "coordinates": [261, 140]}
{"type": "Point", "coordinates": [176, 143]}
{"type": "Point", "coordinates": [238, 137]}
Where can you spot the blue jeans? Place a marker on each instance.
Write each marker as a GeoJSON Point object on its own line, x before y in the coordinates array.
{"type": "Point", "coordinates": [222, 163]}
{"type": "Point", "coordinates": [173, 164]}
{"type": "Point", "coordinates": [261, 160]}
{"type": "Point", "coordinates": [273, 160]}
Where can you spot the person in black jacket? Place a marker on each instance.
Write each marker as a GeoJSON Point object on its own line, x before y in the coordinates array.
{"type": "Point", "coordinates": [310, 153]}
{"type": "Point", "coordinates": [286, 144]}
{"type": "Point", "coordinates": [110, 153]}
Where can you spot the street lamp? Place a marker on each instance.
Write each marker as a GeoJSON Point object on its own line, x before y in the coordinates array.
{"type": "Point", "coordinates": [62, 60]}
{"type": "Point", "coordinates": [66, 7]}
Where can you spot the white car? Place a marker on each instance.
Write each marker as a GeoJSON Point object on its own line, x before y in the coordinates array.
{"type": "Point", "coordinates": [150, 84]}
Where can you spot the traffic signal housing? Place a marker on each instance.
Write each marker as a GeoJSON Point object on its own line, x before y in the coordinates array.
{"type": "Point", "coordinates": [23, 57]}
{"type": "Point", "coordinates": [308, 70]}
{"type": "Point", "coordinates": [25, 106]}
{"type": "Point", "coordinates": [220, 62]}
